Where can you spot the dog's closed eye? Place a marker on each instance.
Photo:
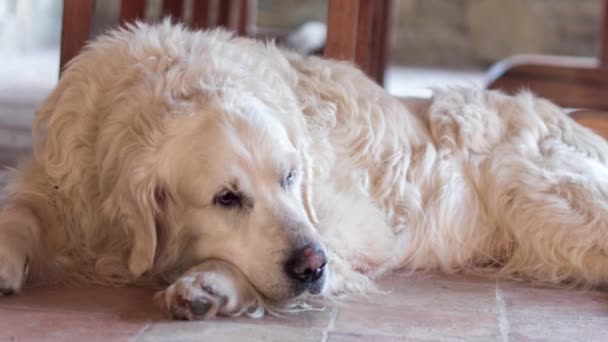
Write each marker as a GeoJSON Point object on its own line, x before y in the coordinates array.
{"type": "Point", "coordinates": [228, 199]}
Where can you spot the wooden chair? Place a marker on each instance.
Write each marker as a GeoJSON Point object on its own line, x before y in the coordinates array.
{"type": "Point", "coordinates": [360, 31]}
{"type": "Point", "coordinates": [78, 15]}
{"type": "Point", "coordinates": [568, 81]}
{"type": "Point", "coordinates": [357, 29]}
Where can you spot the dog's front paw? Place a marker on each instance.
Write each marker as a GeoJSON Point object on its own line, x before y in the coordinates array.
{"type": "Point", "coordinates": [13, 271]}
{"type": "Point", "coordinates": [206, 291]}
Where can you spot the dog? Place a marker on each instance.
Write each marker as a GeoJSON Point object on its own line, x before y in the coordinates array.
{"type": "Point", "coordinates": [247, 179]}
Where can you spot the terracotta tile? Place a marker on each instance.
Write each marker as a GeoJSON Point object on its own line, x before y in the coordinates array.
{"type": "Point", "coordinates": [226, 331]}
{"type": "Point", "coordinates": [424, 307]}
{"type": "Point", "coordinates": [30, 325]}
{"type": "Point", "coordinates": [549, 314]}
{"type": "Point", "coordinates": [305, 326]}
{"type": "Point", "coordinates": [418, 308]}
{"type": "Point", "coordinates": [419, 289]}
{"type": "Point", "coordinates": [521, 297]}
{"type": "Point", "coordinates": [307, 319]}
{"type": "Point", "coordinates": [566, 329]}
{"type": "Point", "coordinates": [346, 337]}
{"type": "Point", "coordinates": [128, 303]}
{"type": "Point", "coordinates": [343, 337]}
{"type": "Point", "coordinates": [418, 322]}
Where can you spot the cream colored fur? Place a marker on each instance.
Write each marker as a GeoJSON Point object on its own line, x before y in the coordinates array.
{"type": "Point", "coordinates": [150, 122]}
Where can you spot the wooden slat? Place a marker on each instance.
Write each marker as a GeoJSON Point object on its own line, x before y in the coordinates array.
{"type": "Point", "coordinates": [381, 37]}
{"type": "Point", "coordinates": [604, 36]}
{"type": "Point", "coordinates": [342, 24]}
{"type": "Point", "coordinates": [76, 27]}
{"type": "Point", "coordinates": [223, 13]}
{"type": "Point", "coordinates": [200, 14]}
{"type": "Point", "coordinates": [568, 81]}
{"type": "Point", "coordinates": [371, 38]}
{"type": "Point", "coordinates": [247, 17]}
{"type": "Point", "coordinates": [172, 8]}
{"type": "Point", "coordinates": [363, 46]}
{"type": "Point", "coordinates": [131, 10]}
{"type": "Point", "coordinates": [596, 120]}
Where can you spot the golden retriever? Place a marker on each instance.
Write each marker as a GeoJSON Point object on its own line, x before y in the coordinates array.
{"type": "Point", "coordinates": [247, 177]}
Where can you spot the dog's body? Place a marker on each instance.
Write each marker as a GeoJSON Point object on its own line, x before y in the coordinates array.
{"type": "Point", "coordinates": [236, 170]}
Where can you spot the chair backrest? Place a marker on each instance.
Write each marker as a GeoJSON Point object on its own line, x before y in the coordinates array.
{"type": "Point", "coordinates": [603, 53]}
{"type": "Point", "coordinates": [358, 30]}
{"type": "Point", "coordinates": [237, 15]}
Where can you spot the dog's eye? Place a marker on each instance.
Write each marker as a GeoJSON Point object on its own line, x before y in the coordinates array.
{"type": "Point", "coordinates": [228, 199]}
{"type": "Point", "coordinates": [291, 176]}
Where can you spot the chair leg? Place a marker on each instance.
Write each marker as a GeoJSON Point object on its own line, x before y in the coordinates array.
{"type": "Point", "coordinates": [380, 42]}
{"type": "Point", "coordinates": [604, 36]}
{"type": "Point", "coordinates": [200, 14]}
{"type": "Point", "coordinates": [131, 10]}
{"type": "Point", "coordinates": [247, 17]}
{"type": "Point", "coordinates": [358, 31]}
{"type": "Point", "coordinates": [342, 29]}
{"type": "Point", "coordinates": [223, 13]}
{"type": "Point", "coordinates": [172, 8]}
{"type": "Point", "coordinates": [75, 30]}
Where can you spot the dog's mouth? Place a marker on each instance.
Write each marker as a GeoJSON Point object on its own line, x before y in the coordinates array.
{"type": "Point", "coordinates": [316, 287]}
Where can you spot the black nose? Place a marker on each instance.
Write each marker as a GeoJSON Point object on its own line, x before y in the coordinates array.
{"type": "Point", "coordinates": [306, 264]}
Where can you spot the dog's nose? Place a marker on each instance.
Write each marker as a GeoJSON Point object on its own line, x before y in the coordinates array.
{"type": "Point", "coordinates": [306, 264]}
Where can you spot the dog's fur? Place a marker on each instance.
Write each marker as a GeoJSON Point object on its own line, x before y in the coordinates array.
{"type": "Point", "coordinates": [151, 122]}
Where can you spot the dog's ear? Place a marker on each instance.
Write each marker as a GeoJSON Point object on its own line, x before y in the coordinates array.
{"type": "Point", "coordinates": [106, 163]}
{"type": "Point", "coordinates": [143, 229]}
{"type": "Point", "coordinates": [135, 202]}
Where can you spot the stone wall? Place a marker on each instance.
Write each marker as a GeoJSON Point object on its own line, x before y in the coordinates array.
{"type": "Point", "coordinates": [468, 32]}
{"type": "Point", "coordinates": [479, 32]}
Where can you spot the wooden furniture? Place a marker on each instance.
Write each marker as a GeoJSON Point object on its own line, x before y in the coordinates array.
{"type": "Point", "coordinates": [75, 28]}
{"type": "Point", "coordinates": [237, 15]}
{"type": "Point", "coordinates": [568, 81]}
{"type": "Point", "coordinates": [202, 14]}
{"type": "Point", "coordinates": [357, 29]}
{"type": "Point", "coordinates": [594, 119]}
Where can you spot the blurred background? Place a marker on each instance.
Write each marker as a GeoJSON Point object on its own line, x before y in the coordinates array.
{"type": "Point", "coordinates": [433, 42]}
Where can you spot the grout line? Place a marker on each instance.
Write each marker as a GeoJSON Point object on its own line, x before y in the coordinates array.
{"type": "Point", "coordinates": [330, 325]}
{"type": "Point", "coordinates": [503, 319]}
{"type": "Point", "coordinates": [141, 333]}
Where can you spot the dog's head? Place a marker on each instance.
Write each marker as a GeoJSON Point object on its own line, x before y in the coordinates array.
{"type": "Point", "coordinates": [229, 181]}
{"type": "Point", "coordinates": [240, 176]}
{"type": "Point", "coordinates": [196, 160]}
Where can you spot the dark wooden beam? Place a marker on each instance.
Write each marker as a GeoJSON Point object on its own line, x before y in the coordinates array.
{"type": "Point", "coordinates": [75, 29]}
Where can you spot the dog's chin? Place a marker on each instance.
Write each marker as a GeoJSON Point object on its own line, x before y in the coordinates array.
{"type": "Point", "coordinates": [315, 288]}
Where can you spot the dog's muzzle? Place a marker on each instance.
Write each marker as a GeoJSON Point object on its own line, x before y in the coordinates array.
{"type": "Point", "coordinates": [306, 266]}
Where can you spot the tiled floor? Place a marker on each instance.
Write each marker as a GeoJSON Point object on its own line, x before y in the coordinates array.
{"type": "Point", "coordinates": [418, 308]}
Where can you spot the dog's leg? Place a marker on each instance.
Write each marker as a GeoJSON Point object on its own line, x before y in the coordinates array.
{"type": "Point", "coordinates": [19, 234]}
{"type": "Point", "coordinates": [207, 290]}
